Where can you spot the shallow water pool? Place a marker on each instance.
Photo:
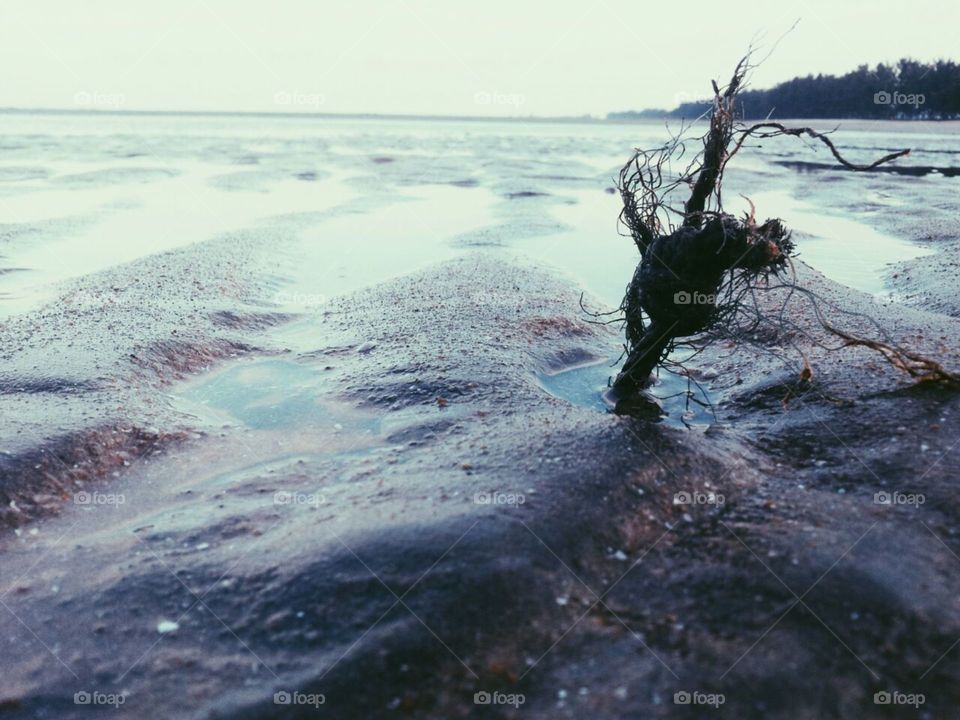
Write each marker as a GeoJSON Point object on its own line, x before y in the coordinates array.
{"type": "Point", "coordinates": [681, 402]}
{"type": "Point", "coordinates": [271, 394]}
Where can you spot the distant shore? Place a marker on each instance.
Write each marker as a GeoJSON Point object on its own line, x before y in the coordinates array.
{"type": "Point", "coordinates": [646, 117]}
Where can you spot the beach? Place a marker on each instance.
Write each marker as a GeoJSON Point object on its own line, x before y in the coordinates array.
{"type": "Point", "coordinates": [313, 407]}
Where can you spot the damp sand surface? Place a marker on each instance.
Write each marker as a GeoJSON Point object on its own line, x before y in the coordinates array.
{"type": "Point", "coordinates": [356, 448]}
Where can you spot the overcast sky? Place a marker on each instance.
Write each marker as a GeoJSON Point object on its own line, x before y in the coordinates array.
{"type": "Point", "coordinates": [485, 57]}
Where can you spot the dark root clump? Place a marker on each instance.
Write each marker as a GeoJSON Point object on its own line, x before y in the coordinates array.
{"type": "Point", "coordinates": [701, 269]}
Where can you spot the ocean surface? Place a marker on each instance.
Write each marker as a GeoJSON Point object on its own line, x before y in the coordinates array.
{"type": "Point", "coordinates": [377, 198]}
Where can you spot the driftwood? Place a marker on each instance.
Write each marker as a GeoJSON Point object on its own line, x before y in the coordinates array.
{"type": "Point", "coordinates": [700, 268]}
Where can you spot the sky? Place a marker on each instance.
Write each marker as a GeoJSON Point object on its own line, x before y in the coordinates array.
{"type": "Point", "coordinates": [443, 57]}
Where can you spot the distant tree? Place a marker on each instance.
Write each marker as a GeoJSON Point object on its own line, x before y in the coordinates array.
{"type": "Point", "coordinates": [905, 90]}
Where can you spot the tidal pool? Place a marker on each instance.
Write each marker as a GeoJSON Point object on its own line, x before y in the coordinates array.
{"type": "Point", "coordinates": [681, 402]}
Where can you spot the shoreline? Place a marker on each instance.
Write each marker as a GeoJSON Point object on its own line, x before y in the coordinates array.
{"type": "Point", "coordinates": [560, 120]}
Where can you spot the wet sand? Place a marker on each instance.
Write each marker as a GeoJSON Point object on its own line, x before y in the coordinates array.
{"type": "Point", "coordinates": [364, 562]}
{"type": "Point", "coordinates": [218, 488]}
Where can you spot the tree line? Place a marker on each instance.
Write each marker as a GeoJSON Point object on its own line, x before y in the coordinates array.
{"type": "Point", "coordinates": [908, 90]}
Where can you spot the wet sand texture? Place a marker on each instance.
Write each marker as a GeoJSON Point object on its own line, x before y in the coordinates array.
{"type": "Point", "coordinates": [400, 588]}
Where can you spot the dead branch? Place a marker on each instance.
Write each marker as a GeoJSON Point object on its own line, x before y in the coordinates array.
{"type": "Point", "coordinates": [920, 368]}
{"type": "Point", "coordinates": [702, 270]}
{"type": "Point", "coordinates": [779, 129]}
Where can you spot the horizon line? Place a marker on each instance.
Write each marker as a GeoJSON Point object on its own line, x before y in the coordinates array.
{"type": "Point", "coordinates": [560, 119]}
{"type": "Point", "coordinates": [325, 115]}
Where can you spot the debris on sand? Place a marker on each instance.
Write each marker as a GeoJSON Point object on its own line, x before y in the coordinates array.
{"type": "Point", "coordinates": [702, 269]}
